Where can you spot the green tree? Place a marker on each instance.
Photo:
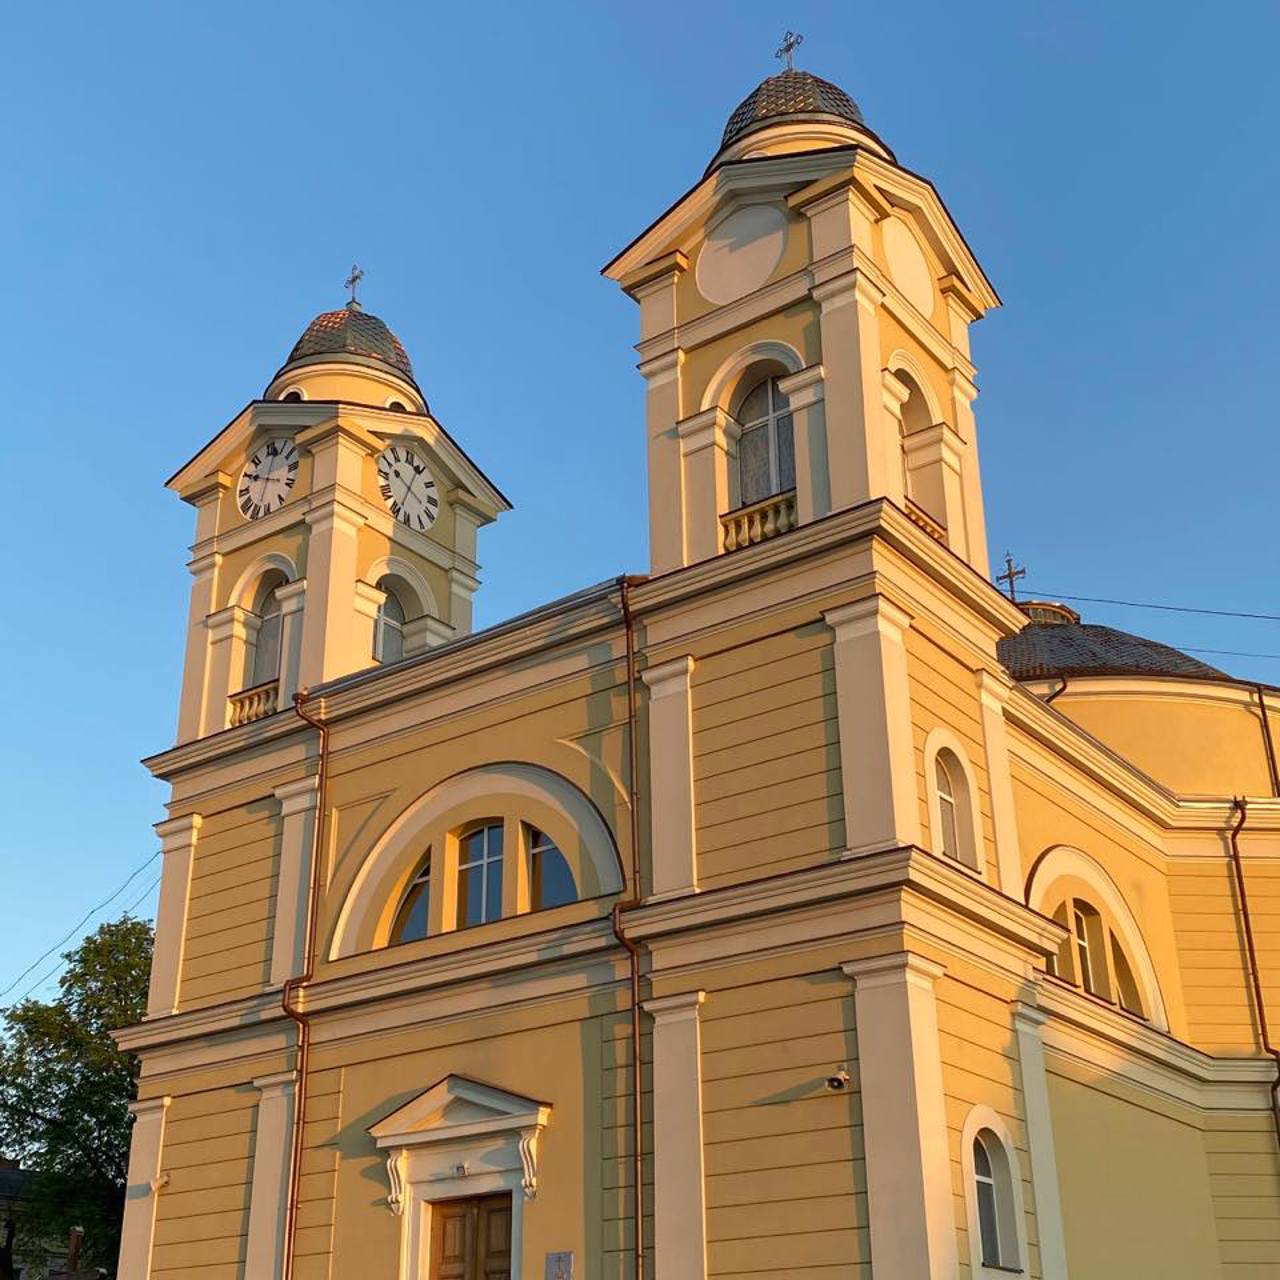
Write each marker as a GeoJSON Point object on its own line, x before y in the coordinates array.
{"type": "Point", "coordinates": [65, 1090]}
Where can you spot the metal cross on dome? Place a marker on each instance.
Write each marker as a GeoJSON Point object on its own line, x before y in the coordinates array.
{"type": "Point", "coordinates": [351, 281]}
{"type": "Point", "coordinates": [787, 49]}
{"type": "Point", "coordinates": [1011, 575]}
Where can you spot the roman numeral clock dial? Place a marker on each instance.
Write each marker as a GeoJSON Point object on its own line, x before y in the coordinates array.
{"type": "Point", "coordinates": [407, 487]}
{"type": "Point", "coordinates": [267, 478]}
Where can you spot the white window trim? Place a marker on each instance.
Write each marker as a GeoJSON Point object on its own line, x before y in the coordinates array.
{"type": "Point", "coordinates": [941, 739]}
{"type": "Point", "coordinates": [978, 1119]}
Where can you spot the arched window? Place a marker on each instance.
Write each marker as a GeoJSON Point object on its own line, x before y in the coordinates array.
{"type": "Point", "coordinates": [388, 627]}
{"type": "Point", "coordinates": [766, 446]}
{"type": "Point", "coordinates": [265, 666]}
{"type": "Point", "coordinates": [550, 877]}
{"type": "Point", "coordinates": [993, 1197]}
{"type": "Point", "coordinates": [480, 875]}
{"type": "Point", "coordinates": [1093, 957]}
{"type": "Point", "coordinates": [412, 921]}
{"type": "Point", "coordinates": [952, 805]}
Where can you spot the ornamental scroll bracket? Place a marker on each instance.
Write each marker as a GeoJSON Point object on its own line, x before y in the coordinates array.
{"type": "Point", "coordinates": [529, 1160]}
{"type": "Point", "coordinates": [395, 1177]}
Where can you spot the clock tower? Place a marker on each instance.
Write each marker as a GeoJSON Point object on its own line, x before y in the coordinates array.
{"type": "Point", "coordinates": [336, 525]}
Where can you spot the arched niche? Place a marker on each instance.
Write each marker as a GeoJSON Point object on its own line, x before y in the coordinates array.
{"type": "Point", "coordinates": [528, 792]}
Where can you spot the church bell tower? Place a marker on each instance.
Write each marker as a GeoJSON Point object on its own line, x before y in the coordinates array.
{"type": "Point", "coordinates": [804, 335]}
{"type": "Point", "coordinates": [336, 526]}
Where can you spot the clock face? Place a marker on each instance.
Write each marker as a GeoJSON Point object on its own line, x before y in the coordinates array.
{"type": "Point", "coordinates": [407, 487]}
{"type": "Point", "coordinates": [267, 478]}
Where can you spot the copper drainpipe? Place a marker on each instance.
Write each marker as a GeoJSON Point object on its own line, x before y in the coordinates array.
{"type": "Point", "coordinates": [1241, 807]}
{"type": "Point", "coordinates": [294, 985]}
{"type": "Point", "coordinates": [633, 951]}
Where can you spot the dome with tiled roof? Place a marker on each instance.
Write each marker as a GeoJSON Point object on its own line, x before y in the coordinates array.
{"type": "Point", "coordinates": [351, 333]}
{"type": "Point", "coordinates": [1055, 643]}
{"type": "Point", "coordinates": [789, 93]}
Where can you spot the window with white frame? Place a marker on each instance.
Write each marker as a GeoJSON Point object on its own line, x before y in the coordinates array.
{"type": "Point", "coordinates": [551, 881]}
{"type": "Point", "coordinates": [412, 921]}
{"type": "Point", "coordinates": [994, 1203]}
{"type": "Point", "coordinates": [766, 445]}
{"type": "Point", "coordinates": [952, 809]}
{"type": "Point", "coordinates": [388, 627]}
{"type": "Point", "coordinates": [1093, 957]}
{"type": "Point", "coordinates": [480, 875]}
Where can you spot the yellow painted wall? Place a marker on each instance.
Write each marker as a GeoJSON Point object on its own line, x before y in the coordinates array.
{"type": "Point", "coordinates": [766, 754]}
{"type": "Point", "coordinates": [1194, 746]}
{"type": "Point", "coordinates": [232, 904]}
{"type": "Point", "coordinates": [1136, 1191]}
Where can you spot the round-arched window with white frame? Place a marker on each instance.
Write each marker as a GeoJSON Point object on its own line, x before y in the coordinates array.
{"type": "Point", "coordinates": [766, 444]}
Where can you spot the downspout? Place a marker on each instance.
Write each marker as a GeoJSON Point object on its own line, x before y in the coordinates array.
{"type": "Point", "coordinates": [296, 984]}
{"type": "Point", "coordinates": [633, 951]}
{"type": "Point", "coordinates": [1049, 697]}
{"type": "Point", "coordinates": [1267, 742]}
{"type": "Point", "coordinates": [1241, 807]}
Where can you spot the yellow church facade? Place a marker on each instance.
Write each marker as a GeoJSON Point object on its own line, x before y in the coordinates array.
{"type": "Point", "coordinates": [802, 908]}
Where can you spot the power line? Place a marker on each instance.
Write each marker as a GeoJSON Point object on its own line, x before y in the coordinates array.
{"type": "Point", "coordinates": [106, 902]}
{"type": "Point", "coordinates": [1230, 653]}
{"type": "Point", "coordinates": [62, 960]}
{"type": "Point", "coordinates": [1167, 608]}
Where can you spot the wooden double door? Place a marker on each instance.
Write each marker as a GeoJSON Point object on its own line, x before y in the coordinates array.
{"type": "Point", "coordinates": [471, 1239]}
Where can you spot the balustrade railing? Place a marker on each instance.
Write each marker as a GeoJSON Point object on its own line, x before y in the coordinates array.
{"type": "Point", "coordinates": [759, 522]}
{"type": "Point", "coordinates": [254, 704]}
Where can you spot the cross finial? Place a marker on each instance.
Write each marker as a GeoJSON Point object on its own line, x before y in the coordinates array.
{"type": "Point", "coordinates": [350, 283]}
{"type": "Point", "coordinates": [1011, 575]}
{"type": "Point", "coordinates": [787, 49]}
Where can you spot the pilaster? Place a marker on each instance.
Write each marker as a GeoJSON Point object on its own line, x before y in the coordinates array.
{"type": "Point", "coordinates": [1027, 1024]}
{"type": "Point", "coordinates": [894, 394]}
{"type": "Point", "coordinates": [666, 481]}
{"type": "Point", "coordinates": [873, 706]}
{"type": "Point", "coordinates": [679, 1185]}
{"type": "Point", "coordinates": [292, 597]}
{"type": "Point", "coordinates": [993, 694]}
{"type": "Point", "coordinates": [297, 840]}
{"type": "Point", "coordinates": [330, 639]}
{"type": "Point", "coordinates": [673, 837]}
{"type": "Point", "coordinates": [805, 392]}
{"type": "Point", "coordinates": [849, 325]}
{"type": "Point", "coordinates": [229, 631]}
{"type": "Point", "coordinates": [463, 585]}
{"type": "Point", "coordinates": [935, 457]}
{"type": "Point", "coordinates": [269, 1190]}
{"type": "Point", "coordinates": [963, 394]}
{"type": "Point", "coordinates": [909, 1197]}
{"type": "Point", "coordinates": [143, 1183]}
{"type": "Point", "coordinates": [708, 447]}
{"type": "Point", "coordinates": [177, 848]}
{"type": "Point", "coordinates": [193, 709]}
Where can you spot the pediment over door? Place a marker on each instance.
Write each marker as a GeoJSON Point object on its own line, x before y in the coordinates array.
{"type": "Point", "coordinates": [458, 1128]}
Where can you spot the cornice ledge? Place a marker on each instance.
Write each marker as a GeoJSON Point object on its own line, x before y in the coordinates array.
{"type": "Point", "coordinates": [175, 1028]}
{"type": "Point", "coordinates": [1086, 1030]}
{"type": "Point", "coordinates": [461, 967]}
{"type": "Point", "coordinates": [905, 868]}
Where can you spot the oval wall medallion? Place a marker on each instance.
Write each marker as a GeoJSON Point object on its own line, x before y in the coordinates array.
{"type": "Point", "coordinates": [741, 253]}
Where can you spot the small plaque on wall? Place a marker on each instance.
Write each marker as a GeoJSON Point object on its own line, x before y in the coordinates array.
{"type": "Point", "coordinates": [559, 1266]}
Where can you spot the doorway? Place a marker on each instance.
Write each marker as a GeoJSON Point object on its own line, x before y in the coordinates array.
{"type": "Point", "coordinates": [471, 1239]}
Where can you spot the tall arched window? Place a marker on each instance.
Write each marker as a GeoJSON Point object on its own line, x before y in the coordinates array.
{"type": "Point", "coordinates": [550, 878]}
{"type": "Point", "coordinates": [766, 447]}
{"type": "Point", "coordinates": [994, 1202]}
{"type": "Point", "coordinates": [480, 875]}
{"type": "Point", "coordinates": [388, 628]}
{"type": "Point", "coordinates": [266, 642]}
{"type": "Point", "coordinates": [952, 806]}
{"type": "Point", "coordinates": [412, 920]}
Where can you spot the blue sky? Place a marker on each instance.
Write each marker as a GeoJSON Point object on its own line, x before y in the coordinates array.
{"type": "Point", "coordinates": [185, 186]}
